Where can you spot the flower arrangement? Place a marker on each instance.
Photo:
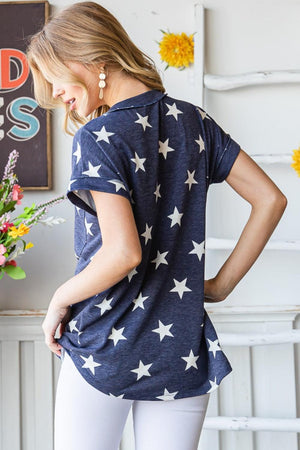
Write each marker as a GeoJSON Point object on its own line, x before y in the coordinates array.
{"type": "Point", "coordinates": [177, 50]}
{"type": "Point", "coordinates": [296, 159]}
{"type": "Point", "coordinates": [12, 230]}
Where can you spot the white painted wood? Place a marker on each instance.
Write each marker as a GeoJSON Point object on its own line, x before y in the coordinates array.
{"type": "Point", "coordinates": [281, 158]}
{"type": "Point", "coordinates": [11, 417]}
{"type": "Point", "coordinates": [254, 339]}
{"type": "Point", "coordinates": [273, 375]}
{"type": "Point", "coordinates": [252, 424]}
{"type": "Point", "coordinates": [27, 395]}
{"type": "Point", "coordinates": [199, 53]}
{"type": "Point", "coordinates": [228, 244]}
{"type": "Point", "coordinates": [227, 82]}
{"type": "Point", "coordinates": [44, 406]}
{"type": "Point", "coordinates": [236, 398]}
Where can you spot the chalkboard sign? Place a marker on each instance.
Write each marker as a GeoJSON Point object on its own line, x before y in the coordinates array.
{"type": "Point", "coordinates": [23, 125]}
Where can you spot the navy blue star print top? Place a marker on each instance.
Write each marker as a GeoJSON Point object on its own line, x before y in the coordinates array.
{"type": "Point", "coordinates": [149, 337]}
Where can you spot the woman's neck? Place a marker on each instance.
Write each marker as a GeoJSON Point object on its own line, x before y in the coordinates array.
{"type": "Point", "coordinates": [121, 86]}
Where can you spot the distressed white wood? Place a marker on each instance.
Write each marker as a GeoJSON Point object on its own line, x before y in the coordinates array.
{"type": "Point", "coordinates": [27, 395]}
{"type": "Point", "coordinates": [252, 339]}
{"type": "Point", "coordinates": [228, 82]}
{"type": "Point", "coordinates": [43, 376]}
{"type": "Point", "coordinates": [273, 375]}
{"type": "Point", "coordinates": [252, 424]}
{"type": "Point", "coordinates": [236, 398]}
{"type": "Point", "coordinates": [257, 313]}
{"type": "Point", "coordinates": [280, 158]}
{"type": "Point", "coordinates": [11, 420]}
{"type": "Point", "coordinates": [199, 53]}
{"type": "Point", "coordinates": [228, 244]}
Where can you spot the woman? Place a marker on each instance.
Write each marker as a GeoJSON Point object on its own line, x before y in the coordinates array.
{"type": "Point", "coordinates": [142, 162]}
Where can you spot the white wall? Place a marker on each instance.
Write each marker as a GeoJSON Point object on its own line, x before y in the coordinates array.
{"type": "Point", "coordinates": [240, 36]}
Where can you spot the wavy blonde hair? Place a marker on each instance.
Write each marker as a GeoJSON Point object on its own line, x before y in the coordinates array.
{"type": "Point", "coordinates": [88, 34]}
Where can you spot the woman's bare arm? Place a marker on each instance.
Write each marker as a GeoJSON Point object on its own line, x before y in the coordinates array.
{"type": "Point", "coordinates": [119, 254]}
{"type": "Point", "coordinates": [268, 204]}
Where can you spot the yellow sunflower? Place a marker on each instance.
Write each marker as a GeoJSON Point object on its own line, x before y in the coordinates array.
{"type": "Point", "coordinates": [296, 159]}
{"type": "Point", "coordinates": [177, 50]}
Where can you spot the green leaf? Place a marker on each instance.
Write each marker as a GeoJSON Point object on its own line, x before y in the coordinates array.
{"type": "Point", "coordinates": [1, 273]}
{"type": "Point", "coordinates": [14, 272]}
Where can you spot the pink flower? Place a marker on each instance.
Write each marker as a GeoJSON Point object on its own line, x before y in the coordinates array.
{"type": "Point", "coordinates": [16, 194]}
{"type": "Point", "coordinates": [2, 251]}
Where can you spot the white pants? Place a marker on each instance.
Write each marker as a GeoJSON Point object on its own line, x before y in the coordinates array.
{"type": "Point", "coordinates": [87, 419]}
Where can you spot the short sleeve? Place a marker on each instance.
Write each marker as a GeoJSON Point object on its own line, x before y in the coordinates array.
{"type": "Point", "coordinates": [96, 166]}
{"type": "Point", "coordinates": [221, 149]}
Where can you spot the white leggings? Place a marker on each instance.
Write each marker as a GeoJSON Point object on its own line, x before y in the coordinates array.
{"type": "Point", "coordinates": [87, 419]}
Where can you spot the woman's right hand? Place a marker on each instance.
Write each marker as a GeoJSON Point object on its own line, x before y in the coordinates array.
{"type": "Point", "coordinates": [212, 292]}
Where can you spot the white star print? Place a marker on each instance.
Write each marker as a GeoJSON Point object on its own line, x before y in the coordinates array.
{"type": "Point", "coordinates": [167, 395]}
{"type": "Point", "coordinates": [117, 335]}
{"type": "Point", "coordinates": [214, 346]}
{"type": "Point", "coordinates": [190, 360]}
{"type": "Point", "coordinates": [200, 142]}
{"type": "Point", "coordinates": [198, 249]}
{"type": "Point", "coordinates": [160, 259]}
{"type": "Point", "coordinates": [93, 171]}
{"type": "Point", "coordinates": [79, 333]}
{"type": "Point", "coordinates": [71, 182]}
{"type": "Point", "coordinates": [77, 209]}
{"type": "Point", "coordinates": [103, 135]}
{"type": "Point", "coordinates": [147, 234]}
{"type": "Point", "coordinates": [173, 111]}
{"type": "Point", "coordinates": [157, 193]}
{"type": "Point", "coordinates": [88, 227]}
{"type": "Point", "coordinates": [180, 287]}
{"type": "Point", "coordinates": [139, 162]}
{"type": "Point", "coordinates": [77, 153]}
{"type": "Point", "coordinates": [72, 325]}
{"type": "Point", "coordinates": [132, 273]}
{"type": "Point", "coordinates": [175, 217]}
{"type": "Point", "coordinates": [213, 385]}
{"type": "Point", "coordinates": [142, 370]}
{"type": "Point", "coordinates": [164, 148]}
{"type": "Point", "coordinates": [105, 305]}
{"type": "Point", "coordinates": [143, 121]}
{"type": "Point", "coordinates": [163, 330]}
{"type": "Point", "coordinates": [116, 396]}
{"type": "Point", "coordinates": [118, 184]}
{"type": "Point", "coordinates": [139, 302]}
{"type": "Point", "coordinates": [203, 114]}
{"type": "Point", "coordinates": [190, 179]}
{"type": "Point", "coordinates": [90, 363]}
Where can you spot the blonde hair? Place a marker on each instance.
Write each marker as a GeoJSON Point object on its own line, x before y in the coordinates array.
{"type": "Point", "coordinates": [88, 34]}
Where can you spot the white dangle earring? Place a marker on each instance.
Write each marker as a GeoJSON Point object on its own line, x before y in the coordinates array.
{"type": "Point", "coordinates": [102, 82]}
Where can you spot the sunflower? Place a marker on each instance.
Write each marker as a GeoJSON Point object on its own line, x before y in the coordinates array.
{"type": "Point", "coordinates": [296, 159]}
{"type": "Point", "coordinates": [177, 50]}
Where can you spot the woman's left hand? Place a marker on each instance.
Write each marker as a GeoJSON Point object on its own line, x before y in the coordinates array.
{"type": "Point", "coordinates": [56, 315]}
